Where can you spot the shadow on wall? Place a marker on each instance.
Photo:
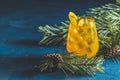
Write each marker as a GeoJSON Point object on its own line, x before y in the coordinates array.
{"type": "Point", "coordinates": [21, 66]}
{"type": "Point", "coordinates": [26, 67]}
{"type": "Point", "coordinates": [25, 43]}
{"type": "Point", "coordinates": [30, 43]}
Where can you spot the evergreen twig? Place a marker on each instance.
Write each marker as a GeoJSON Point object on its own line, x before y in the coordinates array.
{"type": "Point", "coordinates": [108, 26]}
{"type": "Point", "coordinates": [73, 64]}
{"type": "Point", "coordinates": [54, 35]}
{"type": "Point", "coordinates": [107, 19]}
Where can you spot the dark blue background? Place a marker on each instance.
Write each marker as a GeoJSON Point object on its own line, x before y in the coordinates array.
{"type": "Point", "coordinates": [19, 37]}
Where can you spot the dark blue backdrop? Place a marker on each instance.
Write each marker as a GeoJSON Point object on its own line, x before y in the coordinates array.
{"type": "Point", "coordinates": [19, 37]}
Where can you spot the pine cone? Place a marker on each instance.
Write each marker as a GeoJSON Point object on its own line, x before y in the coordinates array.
{"type": "Point", "coordinates": [54, 57]}
{"type": "Point", "coordinates": [113, 51]}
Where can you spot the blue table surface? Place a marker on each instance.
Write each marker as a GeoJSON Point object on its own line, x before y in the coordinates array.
{"type": "Point", "coordinates": [19, 37]}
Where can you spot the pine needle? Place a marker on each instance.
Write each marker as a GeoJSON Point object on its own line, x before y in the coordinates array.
{"type": "Point", "coordinates": [107, 19]}
{"type": "Point", "coordinates": [108, 26]}
{"type": "Point", "coordinates": [74, 65]}
{"type": "Point", "coordinates": [54, 35]}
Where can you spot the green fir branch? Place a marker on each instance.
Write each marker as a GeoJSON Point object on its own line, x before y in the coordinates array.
{"type": "Point", "coordinates": [107, 19]}
{"type": "Point", "coordinates": [54, 35]}
{"type": "Point", "coordinates": [73, 64]}
{"type": "Point", "coordinates": [108, 23]}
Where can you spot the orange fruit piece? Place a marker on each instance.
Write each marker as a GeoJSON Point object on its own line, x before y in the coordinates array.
{"type": "Point", "coordinates": [82, 36]}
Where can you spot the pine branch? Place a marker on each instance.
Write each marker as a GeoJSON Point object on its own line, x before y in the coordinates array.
{"type": "Point", "coordinates": [107, 19]}
{"type": "Point", "coordinates": [108, 23]}
{"type": "Point", "coordinates": [72, 64]}
{"type": "Point", "coordinates": [54, 35]}
{"type": "Point", "coordinates": [108, 26]}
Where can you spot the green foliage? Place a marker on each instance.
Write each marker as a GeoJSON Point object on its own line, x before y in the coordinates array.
{"type": "Point", "coordinates": [107, 19]}
{"type": "Point", "coordinates": [118, 1]}
{"type": "Point", "coordinates": [108, 25]}
{"type": "Point", "coordinates": [73, 65]}
{"type": "Point", "coordinates": [54, 35]}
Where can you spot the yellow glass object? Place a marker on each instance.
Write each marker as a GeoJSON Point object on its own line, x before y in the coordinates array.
{"type": "Point", "coordinates": [82, 36]}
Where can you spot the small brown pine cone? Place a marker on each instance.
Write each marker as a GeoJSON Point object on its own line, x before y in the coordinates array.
{"type": "Point", "coordinates": [113, 51]}
{"type": "Point", "coordinates": [54, 57]}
